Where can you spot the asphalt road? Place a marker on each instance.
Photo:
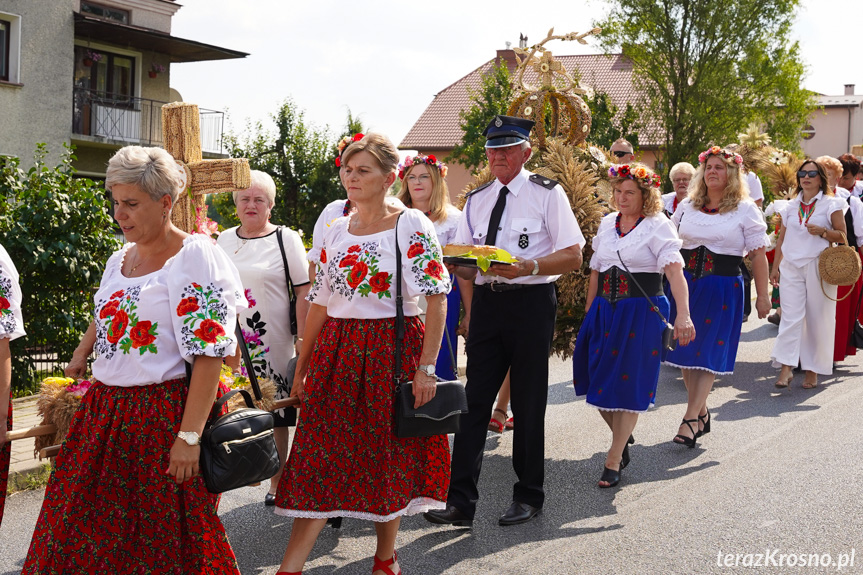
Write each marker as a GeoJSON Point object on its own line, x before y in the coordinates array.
{"type": "Point", "coordinates": [778, 475]}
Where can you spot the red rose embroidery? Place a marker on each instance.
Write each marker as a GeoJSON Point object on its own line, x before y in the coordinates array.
{"type": "Point", "coordinates": [379, 282]}
{"type": "Point", "coordinates": [348, 261]}
{"type": "Point", "coordinates": [118, 326]}
{"type": "Point", "coordinates": [415, 250]}
{"type": "Point", "coordinates": [434, 269]}
{"type": "Point", "coordinates": [323, 256]}
{"type": "Point", "coordinates": [357, 274]}
{"type": "Point", "coordinates": [209, 331]}
{"type": "Point", "coordinates": [353, 249]}
{"type": "Point", "coordinates": [4, 303]}
{"type": "Point", "coordinates": [140, 334]}
{"type": "Point", "coordinates": [187, 305]}
{"type": "Point", "coordinates": [110, 309]}
{"type": "Point", "coordinates": [117, 294]}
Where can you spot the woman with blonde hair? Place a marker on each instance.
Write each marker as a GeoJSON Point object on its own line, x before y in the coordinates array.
{"type": "Point", "coordinates": [424, 188]}
{"type": "Point", "coordinates": [718, 223]}
{"type": "Point", "coordinates": [814, 218]}
{"type": "Point", "coordinates": [619, 345]}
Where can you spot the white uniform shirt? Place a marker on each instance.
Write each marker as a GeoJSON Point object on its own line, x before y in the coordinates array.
{"type": "Point", "coordinates": [856, 208]}
{"type": "Point", "coordinates": [799, 247]}
{"type": "Point", "coordinates": [668, 202]}
{"type": "Point", "coordinates": [147, 325]}
{"type": "Point", "coordinates": [357, 273]}
{"type": "Point", "coordinates": [755, 190]}
{"type": "Point", "coordinates": [648, 248]}
{"type": "Point", "coordinates": [733, 233]}
{"type": "Point", "coordinates": [543, 215]}
{"type": "Point", "coordinates": [842, 193]}
{"type": "Point", "coordinates": [11, 322]}
{"type": "Point", "coordinates": [446, 229]}
{"type": "Point", "coordinates": [857, 190]}
{"type": "Point", "coordinates": [332, 211]}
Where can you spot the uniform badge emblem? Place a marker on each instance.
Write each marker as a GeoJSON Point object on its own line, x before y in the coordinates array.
{"type": "Point", "coordinates": [498, 122]}
{"type": "Point", "coordinates": [523, 241]}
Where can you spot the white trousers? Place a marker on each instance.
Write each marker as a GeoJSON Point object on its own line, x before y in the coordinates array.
{"type": "Point", "coordinates": [808, 326]}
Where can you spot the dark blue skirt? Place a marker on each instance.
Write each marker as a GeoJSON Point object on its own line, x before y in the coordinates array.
{"type": "Point", "coordinates": [446, 366]}
{"type": "Point", "coordinates": [617, 354]}
{"type": "Point", "coordinates": [716, 308]}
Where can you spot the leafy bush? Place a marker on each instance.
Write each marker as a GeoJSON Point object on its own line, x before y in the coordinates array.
{"type": "Point", "coordinates": [57, 230]}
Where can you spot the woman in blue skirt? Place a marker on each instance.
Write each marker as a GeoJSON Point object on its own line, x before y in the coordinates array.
{"type": "Point", "coordinates": [619, 346]}
{"type": "Point", "coordinates": [718, 224]}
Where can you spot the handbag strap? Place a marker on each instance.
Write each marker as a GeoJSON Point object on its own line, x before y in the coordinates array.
{"type": "Point", "coordinates": [400, 312]}
{"type": "Point", "coordinates": [247, 359]}
{"type": "Point", "coordinates": [451, 352]}
{"type": "Point", "coordinates": [220, 403]}
{"type": "Point", "coordinates": [292, 294]}
{"type": "Point", "coordinates": [653, 306]}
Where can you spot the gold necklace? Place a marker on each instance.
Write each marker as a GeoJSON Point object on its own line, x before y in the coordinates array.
{"type": "Point", "coordinates": [140, 263]}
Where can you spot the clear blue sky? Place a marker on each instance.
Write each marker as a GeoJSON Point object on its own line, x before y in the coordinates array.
{"type": "Point", "coordinates": [386, 60]}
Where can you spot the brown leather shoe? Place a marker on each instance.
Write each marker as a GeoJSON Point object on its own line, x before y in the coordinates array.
{"type": "Point", "coordinates": [518, 513]}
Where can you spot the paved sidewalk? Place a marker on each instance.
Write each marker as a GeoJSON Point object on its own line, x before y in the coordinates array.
{"type": "Point", "coordinates": [24, 415]}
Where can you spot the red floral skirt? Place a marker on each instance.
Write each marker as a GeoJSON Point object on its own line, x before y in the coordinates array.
{"type": "Point", "coordinates": [846, 317]}
{"type": "Point", "coordinates": [111, 508]}
{"type": "Point", "coordinates": [345, 459]}
{"type": "Point", "coordinates": [5, 455]}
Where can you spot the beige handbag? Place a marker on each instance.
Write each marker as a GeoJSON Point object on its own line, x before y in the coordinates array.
{"type": "Point", "coordinates": [839, 266]}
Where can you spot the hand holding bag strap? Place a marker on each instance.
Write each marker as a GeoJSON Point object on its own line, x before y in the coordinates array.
{"type": "Point", "coordinates": [247, 359]}
{"type": "Point", "coordinates": [400, 312]}
{"type": "Point", "coordinates": [653, 306]}
{"type": "Point", "coordinates": [292, 295]}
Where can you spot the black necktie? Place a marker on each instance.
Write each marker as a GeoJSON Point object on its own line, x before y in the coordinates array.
{"type": "Point", "coordinates": [496, 213]}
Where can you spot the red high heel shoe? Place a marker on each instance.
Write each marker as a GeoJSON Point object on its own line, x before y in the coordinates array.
{"type": "Point", "coordinates": [497, 425]}
{"type": "Point", "coordinates": [384, 565]}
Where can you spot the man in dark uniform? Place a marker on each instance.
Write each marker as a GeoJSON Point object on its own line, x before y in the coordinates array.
{"type": "Point", "coordinates": [512, 317]}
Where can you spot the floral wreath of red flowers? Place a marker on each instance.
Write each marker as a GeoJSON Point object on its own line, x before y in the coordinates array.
{"type": "Point", "coordinates": [717, 151]}
{"type": "Point", "coordinates": [635, 172]}
{"type": "Point", "coordinates": [344, 143]}
{"type": "Point", "coordinates": [429, 160]}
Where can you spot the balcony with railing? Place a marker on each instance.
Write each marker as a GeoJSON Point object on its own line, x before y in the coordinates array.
{"type": "Point", "coordinates": [121, 120]}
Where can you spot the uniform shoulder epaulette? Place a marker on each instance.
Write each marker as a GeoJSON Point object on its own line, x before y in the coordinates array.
{"type": "Point", "coordinates": [547, 183]}
{"type": "Point", "coordinates": [482, 187]}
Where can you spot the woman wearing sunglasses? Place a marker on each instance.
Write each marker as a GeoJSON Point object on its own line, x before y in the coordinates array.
{"type": "Point", "coordinates": [813, 219]}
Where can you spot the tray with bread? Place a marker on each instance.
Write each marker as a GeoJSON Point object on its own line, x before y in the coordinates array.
{"type": "Point", "coordinates": [472, 256]}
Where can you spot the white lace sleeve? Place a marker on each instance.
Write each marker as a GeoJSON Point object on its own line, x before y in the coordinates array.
{"type": "Point", "coordinates": [754, 227]}
{"type": "Point", "coordinates": [665, 244]}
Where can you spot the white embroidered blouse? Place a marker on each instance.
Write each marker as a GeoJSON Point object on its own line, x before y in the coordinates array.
{"type": "Point", "coordinates": [799, 247]}
{"type": "Point", "coordinates": [733, 233]}
{"type": "Point", "coordinates": [11, 322]}
{"type": "Point", "coordinates": [147, 326]}
{"type": "Point", "coordinates": [446, 229]}
{"type": "Point", "coordinates": [647, 248]}
{"type": "Point", "coordinates": [356, 275]}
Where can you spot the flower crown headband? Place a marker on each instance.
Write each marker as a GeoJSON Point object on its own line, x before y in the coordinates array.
{"type": "Point", "coordinates": [717, 151]}
{"type": "Point", "coordinates": [343, 143]}
{"type": "Point", "coordinates": [650, 179]}
{"type": "Point", "coordinates": [429, 160]}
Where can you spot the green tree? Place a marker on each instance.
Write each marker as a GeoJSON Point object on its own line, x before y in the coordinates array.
{"type": "Point", "coordinates": [493, 97]}
{"type": "Point", "coordinates": [58, 232]}
{"type": "Point", "coordinates": [609, 124]}
{"type": "Point", "coordinates": [300, 158]}
{"type": "Point", "coordinates": [706, 70]}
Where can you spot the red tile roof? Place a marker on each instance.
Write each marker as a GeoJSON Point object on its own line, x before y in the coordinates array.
{"type": "Point", "coordinates": [438, 127]}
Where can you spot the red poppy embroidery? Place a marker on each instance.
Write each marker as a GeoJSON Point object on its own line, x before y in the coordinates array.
{"type": "Point", "coordinates": [357, 274]}
{"type": "Point", "coordinates": [415, 250]}
{"type": "Point", "coordinates": [4, 303]}
{"type": "Point", "coordinates": [434, 269]}
{"type": "Point", "coordinates": [380, 282]}
{"type": "Point", "coordinates": [118, 326]}
{"type": "Point", "coordinates": [140, 334]}
{"type": "Point", "coordinates": [187, 305]}
{"type": "Point", "coordinates": [353, 249]}
{"type": "Point", "coordinates": [209, 331]}
{"type": "Point", "coordinates": [110, 309]}
{"type": "Point", "coordinates": [117, 294]}
{"type": "Point", "coordinates": [323, 256]}
{"type": "Point", "coordinates": [348, 261]}
{"type": "Point", "coordinates": [631, 334]}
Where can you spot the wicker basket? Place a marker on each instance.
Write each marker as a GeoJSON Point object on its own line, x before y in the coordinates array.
{"type": "Point", "coordinates": [839, 265]}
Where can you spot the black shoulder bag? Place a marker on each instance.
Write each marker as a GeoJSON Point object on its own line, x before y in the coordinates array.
{"type": "Point", "coordinates": [292, 295]}
{"type": "Point", "coordinates": [668, 341]}
{"type": "Point", "coordinates": [238, 448]}
{"type": "Point", "coordinates": [443, 413]}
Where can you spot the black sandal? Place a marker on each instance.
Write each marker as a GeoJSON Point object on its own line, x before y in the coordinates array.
{"type": "Point", "coordinates": [705, 419]}
{"type": "Point", "coordinates": [610, 476]}
{"type": "Point", "coordinates": [624, 460]}
{"type": "Point", "coordinates": [687, 441]}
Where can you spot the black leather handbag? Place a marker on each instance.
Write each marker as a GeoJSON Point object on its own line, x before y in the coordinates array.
{"type": "Point", "coordinates": [239, 448]}
{"type": "Point", "coordinates": [443, 413]}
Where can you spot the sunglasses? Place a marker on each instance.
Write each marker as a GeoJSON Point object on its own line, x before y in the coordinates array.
{"type": "Point", "coordinates": [811, 173]}
{"type": "Point", "coordinates": [620, 154]}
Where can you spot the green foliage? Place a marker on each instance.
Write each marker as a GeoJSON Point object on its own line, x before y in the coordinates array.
{"type": "Point", "coordinates": [493, 97]}
{"type": "Point", "coordinates": [608, 124]}
{"type": "Point", "coordinates": [58, 233]}
{"type": "Point", "coordinates": [299, 157]}
{"type": "Point", "coordinates": [707, 70]}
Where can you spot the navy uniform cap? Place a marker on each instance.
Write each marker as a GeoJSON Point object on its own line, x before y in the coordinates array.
{"type": "Point", "coordinates": [507, 131]}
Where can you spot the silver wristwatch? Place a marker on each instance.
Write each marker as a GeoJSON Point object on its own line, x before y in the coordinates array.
{"type": "Point", "coordinates": [190, 437]}
{"type": "Point", "coordinates": [429, 369]}
{"type": "Point", "coordinates": [535, 268]}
